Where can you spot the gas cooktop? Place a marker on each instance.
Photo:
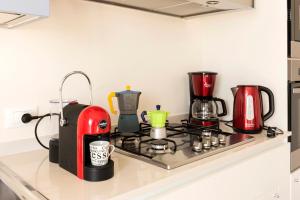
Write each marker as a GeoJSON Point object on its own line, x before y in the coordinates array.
{"type": "Point", "coordinates": [185, 143]}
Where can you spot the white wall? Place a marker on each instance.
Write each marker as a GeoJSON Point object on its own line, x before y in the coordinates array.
{"type": "Point", "coordinates": [153, 53]}
{"type": "Point", "coordinates": [114, 46]}
{"type": "Point", "coordinates": [248, 47]}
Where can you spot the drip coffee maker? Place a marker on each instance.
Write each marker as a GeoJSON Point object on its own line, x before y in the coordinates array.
{"type": "Point", "coordinates": [204, 108]}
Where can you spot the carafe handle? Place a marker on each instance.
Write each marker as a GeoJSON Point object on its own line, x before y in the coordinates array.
{"type": "Point", "coordinates": [224, 109]}
{"type": "Point", "coordinates": [110, 102]}
{"type": "Point", "coordinates": [271, 102]}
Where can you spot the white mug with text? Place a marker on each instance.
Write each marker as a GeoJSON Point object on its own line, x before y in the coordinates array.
{"type": "Point", "coordinates": [100, 152]}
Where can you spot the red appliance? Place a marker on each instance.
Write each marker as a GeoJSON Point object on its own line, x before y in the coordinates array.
{"type": "Point", "coordinates": [93, 124]}
{"type": "Point", "coordinates": [248, 111]}
{"type": "Point", "coordinates": [79, 126]}
{"type": "Point", "coordinates": [203, 83]}
{"type": "Point", "coordinates": [204, 109]}
{"type": "Point", "coordinates": [85, 124]}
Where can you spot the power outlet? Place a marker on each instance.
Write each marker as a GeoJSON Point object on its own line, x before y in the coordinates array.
{"type": "Point", "coordinates": [12, 117]}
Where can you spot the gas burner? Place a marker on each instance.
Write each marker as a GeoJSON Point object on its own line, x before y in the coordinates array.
{"type": "Point", "coordinates": [159, 145]}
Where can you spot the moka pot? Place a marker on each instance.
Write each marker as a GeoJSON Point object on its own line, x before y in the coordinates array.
{"type": "Point", "coordinates": [158, 119]}
{"type": "Point", "coordinates": [128, 102]}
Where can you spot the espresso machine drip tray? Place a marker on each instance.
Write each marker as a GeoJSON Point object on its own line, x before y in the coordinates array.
{"type": "Point", "coordinates": [185, 143]}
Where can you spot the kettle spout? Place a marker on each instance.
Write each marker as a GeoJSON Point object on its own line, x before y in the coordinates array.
{"type": "Point", "coordinates": [234, 90]}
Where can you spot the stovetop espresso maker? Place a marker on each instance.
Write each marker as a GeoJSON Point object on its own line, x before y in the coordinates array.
{"type": "Point", "coordinates": [157, 120]}
{"type": "Point", "coordinates": [128, 102]}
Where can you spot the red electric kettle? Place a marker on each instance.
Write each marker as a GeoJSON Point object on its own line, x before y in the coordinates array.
{"type": "Point", "coordinates": [248, 114]}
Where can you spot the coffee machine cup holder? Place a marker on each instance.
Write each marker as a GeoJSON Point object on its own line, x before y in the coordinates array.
{"type": "Point", "coordinates": [99, 173]}
{"type": "Point", "coordinates": [96, 173]}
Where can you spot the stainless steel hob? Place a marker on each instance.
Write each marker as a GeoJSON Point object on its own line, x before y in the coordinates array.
{"type": "Point", "coordinates": [185, 143]}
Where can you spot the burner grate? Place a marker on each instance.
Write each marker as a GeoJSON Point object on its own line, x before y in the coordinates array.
{"type": "Point", "coordinates": [177, 148]}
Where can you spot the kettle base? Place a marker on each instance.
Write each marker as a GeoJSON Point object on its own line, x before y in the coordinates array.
{"type": "Point", "coordinates": [257, 131]}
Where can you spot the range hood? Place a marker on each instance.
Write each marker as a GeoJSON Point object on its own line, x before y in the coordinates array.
{"type": "Point", "coordinates": [16, 12]}
{"type": "Point", "coordinates": [182, 8]}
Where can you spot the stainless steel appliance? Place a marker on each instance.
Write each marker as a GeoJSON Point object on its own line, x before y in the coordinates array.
{"type": "Point", "coordinates": [294, 28]}
{"type": "Point", "coordinates": [185, 143]}
{"type": "Point", "coordinates": [182, 8]}
{"type": "Point", "coordinates": [294, 111]}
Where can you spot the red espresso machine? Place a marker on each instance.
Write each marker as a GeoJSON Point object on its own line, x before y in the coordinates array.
{"type": "Point", "coordinates": [79, 126]}
{"type": "Point", "coordinates": [204, 109]}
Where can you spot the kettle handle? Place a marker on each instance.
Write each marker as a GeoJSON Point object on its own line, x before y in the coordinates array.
{"type": "Point", "coordinates": [271, 102]}
{"type": "Point", "coordinates": [110, 102]}
{"type": "Point", "coordinates": [224, 109]}
{"type": "Point", "coordinates": [143, 114]}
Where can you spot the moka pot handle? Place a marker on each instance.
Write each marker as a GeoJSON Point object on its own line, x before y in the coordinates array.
{"type": "Point", "coordinates": [271, 102]}
{"type": "Point", "coordinates": [110, 102]}
{"type": "Point", "coordinates": [63, 121]}
{"type": "Point", "coordinates": [143, 114]}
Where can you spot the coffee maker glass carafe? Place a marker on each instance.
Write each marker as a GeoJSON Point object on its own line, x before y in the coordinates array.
{"type": "Point", "coordinates": [207, 109]}
{"type": "Point", "coordinates": [204, 109]}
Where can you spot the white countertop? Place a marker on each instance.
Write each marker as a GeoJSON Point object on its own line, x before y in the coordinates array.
{"type": "Point", "coordinates": [132, 177]}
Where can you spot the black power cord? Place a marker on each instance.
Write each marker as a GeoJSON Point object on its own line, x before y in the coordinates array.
{"type": "Point", "coordinates": [26, 118]}
{"type": "Point", "coordinates": [271, 131]}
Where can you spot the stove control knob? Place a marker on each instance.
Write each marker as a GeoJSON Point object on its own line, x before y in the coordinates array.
{"type": "Point", "coordinates": [222, 138]}
{"type": "Point", "coordinates": [197, 146]}
{"type": "Point", "coordinates": [215, 141]}
{"type": "Point", "coordinates": [206, 133]}
{"type": "Point", "coordinates": [206, 142]}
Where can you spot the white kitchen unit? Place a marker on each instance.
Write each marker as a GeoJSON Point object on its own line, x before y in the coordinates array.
{"type": "Point", "coordinates": [258, 170]}
{"type": "Point", "coordinates": [14, 12]}
{"type": "Point", "coordinates": [262, 177]}
{"type": "Point", "coordinates": [295, 185]}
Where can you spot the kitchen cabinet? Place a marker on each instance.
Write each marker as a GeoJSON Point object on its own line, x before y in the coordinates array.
{"type": "Point", "coordinates": [262, 177]}
{"type": "Point", "coordinates": [295, 185]}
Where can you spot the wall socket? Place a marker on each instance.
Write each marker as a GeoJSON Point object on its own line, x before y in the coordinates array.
{"type": "Point", "coordinates": [12, 116]}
